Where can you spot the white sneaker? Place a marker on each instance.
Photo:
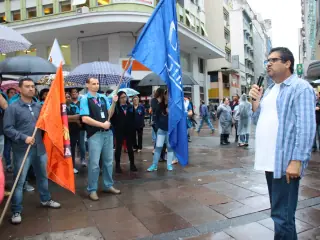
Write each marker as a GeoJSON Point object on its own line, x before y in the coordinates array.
{"type": "Point", "coordinates": [75, 171]}
{"type": "Point", "coordinates": [51, 204]}
{"type": "Point", "coordinates": [27, 187]}
{"type": "Point", "coordinates": [16, 218]}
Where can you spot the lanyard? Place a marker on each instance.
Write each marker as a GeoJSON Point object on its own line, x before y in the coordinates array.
{"type": "Point", "coordinates": [97, 102]}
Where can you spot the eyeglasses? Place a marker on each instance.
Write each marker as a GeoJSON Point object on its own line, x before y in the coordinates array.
{"type": "Point", "coordinates": [31, 111]}
{"type": "Point", "coordinates": [272, 60]}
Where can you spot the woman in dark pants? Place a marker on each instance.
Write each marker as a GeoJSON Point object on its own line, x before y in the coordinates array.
{"type": "Point", "coordinates": [139, 113]}
{"type": "Point", "coordinates": [123, 123]}
{"type": "Point", "coordinates": [73, 112]}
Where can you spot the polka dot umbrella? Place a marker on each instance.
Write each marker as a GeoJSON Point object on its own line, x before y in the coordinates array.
{"type": "Point", "coordinates": [11, 40]}
{"type": "Point", "coordinates": [107, 73]}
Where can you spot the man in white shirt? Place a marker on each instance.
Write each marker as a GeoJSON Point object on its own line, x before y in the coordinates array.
{"type": "Point", "coordinates": [285, 119]}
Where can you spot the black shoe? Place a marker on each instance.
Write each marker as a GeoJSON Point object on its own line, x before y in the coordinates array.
{"type": "Point", "coordinates": [226, 136]}
{"type": "Point", "coordinates": [314, 149]}
{"type": "Point", "coordinates": [133, 168]}
{"type": "Point", "coordinates": [222, 139]}
{"type": "Point", "coordinates": [118, 169]}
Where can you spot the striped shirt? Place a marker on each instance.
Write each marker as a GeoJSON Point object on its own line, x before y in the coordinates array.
{"type": "Point", "coordinates": [297, 126]}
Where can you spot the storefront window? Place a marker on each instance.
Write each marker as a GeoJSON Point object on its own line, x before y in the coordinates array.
{"type": "Point", "coordinates": [65, 6]}
{"type": "Point", "coordinates": [48, 9]}
{"type": "Point", "coordinates": [32, 12]}
{"type": "Point", "coordinates": [86, 4]}
{"type": "Point", "coordinates": [2, 57]}
{"type": "Point", "coordinates": [2, 17]}
{"type": "Point", "coordinates": [16, 15]}
{"type": "Point", "coordinates": [103, 2]}
{"type": "Point", "coordinates": [30, 52]}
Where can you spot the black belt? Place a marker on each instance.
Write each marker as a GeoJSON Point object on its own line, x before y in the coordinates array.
{"type": "Point", "coordinates": [104, 130]}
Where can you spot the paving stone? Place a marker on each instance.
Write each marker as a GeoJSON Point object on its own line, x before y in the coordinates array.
{"type": "Point", "coordinates": [231, 190]}
{"type": "Point", "coordinates": [259, 202]}
{"type": "Point", "coordinates": [225, 208]}
{"type": "Point", "coordinates": [212, 236]}
{"type": "Point", "coordinates": [252, 231]}
{"type": "Point", "coordinates": [312, 234]}
{"type": "Point", "coordinates": [300, 226]}
{"type": "Point", "coordinates": [309, 215]}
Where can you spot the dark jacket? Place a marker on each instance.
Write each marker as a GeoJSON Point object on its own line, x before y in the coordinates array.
{"type": "Point", "coordinates": [19, 123]}
{"type": "Point", "coordinates": [124, 124]}
{"type": "Point", "coordinates": [139, 114]}
{"type": "Point", "coordinates": [318, 114]}
{"type": "Point", "coordinates": [161, 119]}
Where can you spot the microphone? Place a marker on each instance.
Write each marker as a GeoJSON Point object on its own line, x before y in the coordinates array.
{"type": "Point", "coordinates": [259, 83]}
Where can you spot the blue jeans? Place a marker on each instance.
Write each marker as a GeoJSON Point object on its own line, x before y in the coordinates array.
{"type": "Point", "coordinates": [162, 138]}
{"type": "Point", "coordinates": [82, 145]}
{"type": "Point", "coordinates": [154, 136]}
{"type": "Point", "coordinates": [283, 199]}
{"type": "Point", "coordinates": [317, 137]}
{"type": "Point", "coordinates": [39, 164]}
{"type": "Point", "coordinates": [207, 120]}
{"type": "Point", "coordinates": [7, 151]}
{"type": "Point", "coordinates": [244, 138]}
{"type": "Point", "coordinates": [100, 144]}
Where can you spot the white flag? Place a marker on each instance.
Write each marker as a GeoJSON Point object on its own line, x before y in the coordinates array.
{"type": "Point", "coordinates": [55, 56]}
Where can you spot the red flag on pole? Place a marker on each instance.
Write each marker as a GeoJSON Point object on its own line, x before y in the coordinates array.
{"type": "Point", "coordinates": [53, 120]}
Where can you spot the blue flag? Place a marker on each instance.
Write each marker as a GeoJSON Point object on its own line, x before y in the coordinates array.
{"type": "Point", "coordinates": [129, 70]}
{"type": "Point", "coordinates": [158, 49]}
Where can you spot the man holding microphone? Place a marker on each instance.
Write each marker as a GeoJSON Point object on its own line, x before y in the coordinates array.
{"type": "Point", "coordinates": [285, 119]}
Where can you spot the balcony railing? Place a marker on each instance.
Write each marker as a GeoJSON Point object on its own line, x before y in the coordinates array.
{"type": "Point", "coordinates": [188, 19]}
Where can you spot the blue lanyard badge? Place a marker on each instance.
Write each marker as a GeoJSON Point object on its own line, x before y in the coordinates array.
{"type": "Point", "coordinates": [97, 102]}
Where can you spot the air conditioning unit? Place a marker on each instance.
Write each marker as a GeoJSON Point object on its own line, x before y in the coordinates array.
{"type": "Point", "coordinates": [82, 10]}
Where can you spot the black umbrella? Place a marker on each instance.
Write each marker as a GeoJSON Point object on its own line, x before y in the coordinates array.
{"type": "Point", "coordinates": [153, 79]}
{"type": "Point", "coordinates": [68, 88]}
{"type": "Point", "coordinates": [26, 65]}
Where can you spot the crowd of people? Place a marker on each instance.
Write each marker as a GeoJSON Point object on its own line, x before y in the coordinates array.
{"type": "Point", "coordinates": [101, 125]}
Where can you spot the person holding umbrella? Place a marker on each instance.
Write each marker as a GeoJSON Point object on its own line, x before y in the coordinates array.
{"type": "Point", "coordinates": [123, 121]}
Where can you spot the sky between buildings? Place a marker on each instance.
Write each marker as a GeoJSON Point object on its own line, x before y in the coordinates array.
{"type": "Point", "coordinates": [286, 21]}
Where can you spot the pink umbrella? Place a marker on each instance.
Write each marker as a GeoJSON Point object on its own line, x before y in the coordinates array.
{"type": "Point", "coordinates": [9, 84]}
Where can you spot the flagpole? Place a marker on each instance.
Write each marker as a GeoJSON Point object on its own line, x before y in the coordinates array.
{"type": "Point", "coordinates": [17, 179]}
{"type": "Point", "coordinates": [113, 105]}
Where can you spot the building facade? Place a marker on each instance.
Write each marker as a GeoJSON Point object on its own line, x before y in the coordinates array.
{"type": "Point", "coordinates": [309, 37]}
{"type": "Point", "coordinates": [224, 79]}
{"type": "Point", "coordinates": [106, 30]}
{"type": "Point", "coordinates": [242, 41]}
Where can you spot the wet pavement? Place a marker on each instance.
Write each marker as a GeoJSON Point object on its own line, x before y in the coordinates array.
{"type": "Point", "coordinates": [217, 196]}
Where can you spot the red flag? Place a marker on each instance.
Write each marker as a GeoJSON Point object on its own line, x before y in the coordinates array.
{"type": "Point", "coordinates": [53, 120]}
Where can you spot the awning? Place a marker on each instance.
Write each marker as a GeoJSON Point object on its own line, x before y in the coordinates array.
{"type": "Point", "coordinates": [313, 71]}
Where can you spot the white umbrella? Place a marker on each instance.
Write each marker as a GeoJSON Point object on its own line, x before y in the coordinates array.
{"type": "Point", "coordinates": [316, 81]}
{"type": "Point", "coordinates": [129, 91]}
{"type": "Point", "coordinates": [11, 40]}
